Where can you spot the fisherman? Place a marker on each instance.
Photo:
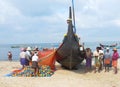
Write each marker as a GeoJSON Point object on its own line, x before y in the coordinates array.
{"type": "Point", "coordinates": [29, 54]}
{"type": "Point", "coordinates": [97, 62]}
{"type": "Point", "coordinates": [23, 59]}
{"type": "Point", "coordinates": [107, 59]}
{"type": "Point", "coordinates": [101, 59]}
{"type": "Point", "coordinates": [9, 56]}
{"type": "Point", "coordinates": [35, 63]}
{"type": "Point", "coordinates": [115, 57]}
{"type": "Point", "coordinates": [88, 59]}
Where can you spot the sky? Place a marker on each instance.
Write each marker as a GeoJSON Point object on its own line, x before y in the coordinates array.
{"type": "Point", "coordinates": [44, 21]}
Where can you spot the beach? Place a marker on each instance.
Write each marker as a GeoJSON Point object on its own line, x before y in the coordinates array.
{"type": "Point", "coordinates": [61, 77]}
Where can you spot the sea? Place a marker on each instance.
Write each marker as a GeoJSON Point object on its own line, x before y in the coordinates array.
{"type": "Point", "coordinates": [15, 48]}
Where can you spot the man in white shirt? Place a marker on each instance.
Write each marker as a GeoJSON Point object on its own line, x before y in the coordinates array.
{"type": "Point", "coordinates": [23, 59]}
{"type": "Point", "coordinates": [97, 62]}
{"type": "Point", "coordinates": [35, 63]}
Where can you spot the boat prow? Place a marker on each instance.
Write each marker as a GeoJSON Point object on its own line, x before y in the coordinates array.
{"type": "Point", "coordinates": [69, 54]}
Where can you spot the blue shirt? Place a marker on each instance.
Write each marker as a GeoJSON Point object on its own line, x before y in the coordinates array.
{"type": "Point", "coordinates": [107, 55]}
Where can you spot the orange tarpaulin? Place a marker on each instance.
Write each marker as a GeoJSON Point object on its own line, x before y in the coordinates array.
{"type": "Point", "coordinates": [47, 57]}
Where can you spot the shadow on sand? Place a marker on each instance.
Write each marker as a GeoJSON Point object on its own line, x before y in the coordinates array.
{"type": "Point", "coordinates": [80, 69]}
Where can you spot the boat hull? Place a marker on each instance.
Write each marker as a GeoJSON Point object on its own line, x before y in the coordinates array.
{"type": "Point", "coordinates": [69, 54]}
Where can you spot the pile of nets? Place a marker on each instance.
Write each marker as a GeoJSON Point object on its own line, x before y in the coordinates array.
{"type": "Point", "coordinates": [44, 71]}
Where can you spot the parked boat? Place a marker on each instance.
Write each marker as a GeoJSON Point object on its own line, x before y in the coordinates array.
{"type": "Point", "coordinates": [110, 46]}
{"type": "Point", "coordinates": [15, 46]}
{"type": "Point", "coordinates": [69, 54]}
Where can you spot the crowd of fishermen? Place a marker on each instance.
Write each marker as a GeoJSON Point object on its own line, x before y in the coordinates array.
{"type": "Point", "coordinates": [28, 55]}
{"type": "Point", "coordinates": [103, 59]}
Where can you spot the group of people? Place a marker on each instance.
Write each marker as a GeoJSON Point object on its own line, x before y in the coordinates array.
{"type": "Point", "coordinates": [27, 56]}
{"type": "Point", "coordinates": [102, 59]}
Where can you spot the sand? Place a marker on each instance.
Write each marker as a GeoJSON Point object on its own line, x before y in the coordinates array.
{"type": "Point", "coordinates": [61, 78]}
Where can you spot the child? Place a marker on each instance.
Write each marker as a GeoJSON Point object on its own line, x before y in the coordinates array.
{"type": "Point", "coordinates": [35, 63]}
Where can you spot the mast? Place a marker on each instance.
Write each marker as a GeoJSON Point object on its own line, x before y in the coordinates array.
{"type": "Point", "coordinates": [73, 16]}
{"type": "Point", "coordinates": [70, 13]}
{"type": "Point", "coordinates": [70, 16]}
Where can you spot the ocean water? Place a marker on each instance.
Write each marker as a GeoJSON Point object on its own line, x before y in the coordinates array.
{"type": "Point", "coordinates": [15, 49]}
{"type": "Point", "coordinates": [4, 48]}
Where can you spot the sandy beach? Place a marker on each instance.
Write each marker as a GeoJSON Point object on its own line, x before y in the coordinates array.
{"type": "Point", "coordinates": [61, 78]}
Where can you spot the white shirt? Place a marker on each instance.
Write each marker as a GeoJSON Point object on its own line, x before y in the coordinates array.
{"type": "Point", "coordinates": [23, 54]}
{"type": "Point", "coordinates": [101, 52]}
{"type": "Point", "coordinates": [96, 53]}
{"type": "Point", "coordinates": [35, 58]}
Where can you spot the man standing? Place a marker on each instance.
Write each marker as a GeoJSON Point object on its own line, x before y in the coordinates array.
{"type": "Point", "coordinates": [115, 57]}
{"type": "Point", "coordinates": [9, 56]}
{"type": "Point", "coordinates": [97, 62]}
{"type": "Point", "coordinates": [107, 59]}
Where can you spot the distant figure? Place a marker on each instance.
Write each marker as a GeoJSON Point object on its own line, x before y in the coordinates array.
{"type": "Point", "coordinates": [107, 59]}
{"type": "Point", "coordinates": [35, 63]}
{"type": "Point", "coordinates": [9, 56]}
{"type": "Point", "coordinates": [88, 59]}
{"type": "Point", "coordinates": [115, 57]}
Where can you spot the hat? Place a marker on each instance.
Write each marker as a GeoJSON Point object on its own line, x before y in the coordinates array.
{"type": "Point", "coordinates": [28, 48]}
{"type": "Point", "coordinates": [114, 49]}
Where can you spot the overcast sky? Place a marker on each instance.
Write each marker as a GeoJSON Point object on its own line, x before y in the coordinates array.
{"type": "Point", "coordinates": [40, 21]}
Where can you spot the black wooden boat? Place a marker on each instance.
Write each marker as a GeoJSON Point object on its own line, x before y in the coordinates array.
{"type": "Point", "coordinates": [69, 54]}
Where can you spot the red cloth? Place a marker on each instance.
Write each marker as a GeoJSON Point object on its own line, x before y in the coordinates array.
{"type": "Point", "coordinates": [107, 61]}
{"type": "Point", "coordinates": [115, 56]}
{"type": "Point", "coordinates": [114, 63]}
